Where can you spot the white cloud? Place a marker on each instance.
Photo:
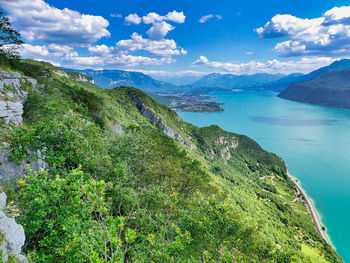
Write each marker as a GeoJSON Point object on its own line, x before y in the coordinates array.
{"type": "Point", "coordinates": [337, 15]}
{"type": "Point", "coordinates": [159, 30]}
{"type": "Point", "coordinates": [274, 66]}
{"type": "Point", "coordinates": [249, 53]}
{"type": "Point", "coordinates": [112, 61]}
{"type": "Point", "coordinates": [101, 56]}
{"type": "Point", "coordinates": [116, 15]}
{"type": "Point", "coordinates": [327, 35]}
{"type": "Point", "coordinates": [66, 35]}
{"type": "Point", "coordinates": [162, 47]}
{"type": "Point", "coordinates": [27, 50]}
{"type": "Point", "coordinates": [204, 19]}
{"type": "Point", "coordinates": [100, 50]}
{"type": "Point", "coordinates": [37, 20]}
{"type": "Point", "coordinates": [174, 16]}
{"type": "Point", "coordinates": [45, 52]}
{"type": "Point", "coordinates": [132, 19]}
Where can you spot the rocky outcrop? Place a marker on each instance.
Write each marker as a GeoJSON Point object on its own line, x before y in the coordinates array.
{"type": "Point", "coordinates": [10, 169]}
{"type": "Point", "coordinates": [73, 76]}
{"type": "Point", "coordinates": [150, 114]}
{"type": "Point", "coordinates": [12, 235]}
{"type": "Point", "coordinates": [118, 129]}
{"type": "Point", "coordinates": [229, 143]}
{"type": "Point", "coordinates": [13, 94]}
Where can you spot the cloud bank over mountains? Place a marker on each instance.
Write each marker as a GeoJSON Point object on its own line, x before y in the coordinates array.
{"type": "Point", "coordinates": [304, 65]}
{"type": "Point", "coordinates": [73, 39]}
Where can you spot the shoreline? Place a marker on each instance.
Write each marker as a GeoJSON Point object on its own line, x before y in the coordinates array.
{"type": "Point", "coordinates": [314, 215]}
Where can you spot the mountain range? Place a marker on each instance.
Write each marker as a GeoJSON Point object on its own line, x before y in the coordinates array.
{"type": "Point", "coordinates": [108, 79]}
{"type": "Point", "coordinates": [231, 81]}
{"type": "Point", "coordinates": [212, 82]}
{"type": "Point", "coordinates": [321, 87]}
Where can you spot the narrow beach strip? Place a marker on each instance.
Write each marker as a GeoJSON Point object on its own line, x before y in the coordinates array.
{"type": "Point", "coordinates": [311, 208]}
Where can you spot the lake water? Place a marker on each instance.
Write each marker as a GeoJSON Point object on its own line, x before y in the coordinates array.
{"type": "Point", "coordinates": [314, 141]}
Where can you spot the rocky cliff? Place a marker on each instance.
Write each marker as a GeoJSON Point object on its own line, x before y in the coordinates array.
{"type": "Point", "coordinates": [14, 89]}
{"type": "Point", "coordinates": [11, 236]}
{"type": "Point", "coordinates": [13, 93]}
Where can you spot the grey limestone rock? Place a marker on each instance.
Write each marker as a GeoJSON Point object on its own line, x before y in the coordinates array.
{"type": "Point", "coordinates": [13, 236]}
{"type": "Point", "coordinates": [13, 94]}
{"type": "Point", "coordinates": [150, 114]}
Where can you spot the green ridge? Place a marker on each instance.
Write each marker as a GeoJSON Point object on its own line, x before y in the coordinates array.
{"type": "Point", "coordinates": [142, 196]}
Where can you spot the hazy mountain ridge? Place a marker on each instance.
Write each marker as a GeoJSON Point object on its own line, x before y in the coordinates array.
{"type": "Point", "coordinates": [230, 81]}
{"type": "Point", "coordinates": [108, 79]}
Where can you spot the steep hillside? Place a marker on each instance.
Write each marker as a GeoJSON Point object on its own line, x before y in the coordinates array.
{"type": "Point", "coordinates": [107, 79]}
{"type": "Point", "coordinates": [126, 180]}
{"type": "Point", "coordinates": [326, 89]}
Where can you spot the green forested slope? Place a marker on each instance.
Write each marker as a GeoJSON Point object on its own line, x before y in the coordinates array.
{"type": "Point", "coordinates": [141, 196]}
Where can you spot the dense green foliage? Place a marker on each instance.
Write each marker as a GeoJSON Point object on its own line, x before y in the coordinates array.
{"type": "Point", "coordinates": [141, 196]}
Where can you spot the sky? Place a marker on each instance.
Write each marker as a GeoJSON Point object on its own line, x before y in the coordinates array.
{"type": "Point", "coordinates": [182, 39]}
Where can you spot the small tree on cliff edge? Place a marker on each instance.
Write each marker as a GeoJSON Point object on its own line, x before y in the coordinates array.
{"type": "Point", "coordinates": [10, 39]}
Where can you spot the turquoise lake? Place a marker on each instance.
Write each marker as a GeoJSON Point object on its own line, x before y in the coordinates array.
{"type": "Point", "coordinates": [314, 141]}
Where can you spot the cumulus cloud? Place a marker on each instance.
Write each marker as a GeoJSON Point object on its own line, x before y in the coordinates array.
{"type": "Point", "coordinates": [163, 47]}
{"type": "Point", "coordinates": [132, 19]}
{"type": "Point", "coordinates": [64, 35]}
{"type": "Point", "coordinates": [204, 19]}
{"type": "Point", "coordinates": [327, 35]}
{"type": "Point", "coordinates": [111, 61]}
{"type": "Point", "coordinates": [174, 16]}
{"type": "Point", "coordinates": [100, 56]}
{"type": "Point", "coordinates": [304, 65]}
{"type": "Point", "coordinates": [337, 15]}
{"type": "Point", "coordinates": [37, 20]}
{"type": "Point", "coordinates": [160, 28]}
{"type": "Point", "coordinates": [44, 52]}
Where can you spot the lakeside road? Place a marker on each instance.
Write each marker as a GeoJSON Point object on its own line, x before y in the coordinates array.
{"type": "Point", "coordinates": [313, 212]}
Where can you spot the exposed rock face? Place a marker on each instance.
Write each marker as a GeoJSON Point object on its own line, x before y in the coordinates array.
{"type": "Point", "coordinates": [10, 169]}
{"type": "Point", "coordinates": [12, 234]}
{"type": "Point", "coordinates": [229, 143]}
{"type": "Point", "coordinates": [152, 116]}
{"type": "Point", "coordinates": [76, 77]}
{"type": "Point", "coordinates": [118, 129]}
{"type": "Point", "coordinates": [13, 94]}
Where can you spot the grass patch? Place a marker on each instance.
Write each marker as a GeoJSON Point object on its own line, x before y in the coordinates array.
{"type": "Point", "coordinates": [313, 254]}
{"type": "Point", "coordinates": [9, 88]}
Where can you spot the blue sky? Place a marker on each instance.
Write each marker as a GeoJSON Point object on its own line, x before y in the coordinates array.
{"type": "Point", "coordinates": [175, 39]}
